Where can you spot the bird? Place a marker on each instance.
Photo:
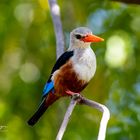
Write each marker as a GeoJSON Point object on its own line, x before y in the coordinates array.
{"type": "Point", "coordinates": [72, 71]}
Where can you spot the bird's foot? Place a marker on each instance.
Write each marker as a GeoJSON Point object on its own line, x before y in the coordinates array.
{"type": "Point", "coordinates": [73, 94]}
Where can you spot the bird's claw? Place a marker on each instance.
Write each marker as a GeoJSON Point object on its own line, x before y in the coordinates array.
{"type": "Point", "coordinates": [74, 95]}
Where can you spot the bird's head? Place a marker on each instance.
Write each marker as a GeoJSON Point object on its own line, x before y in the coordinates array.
{"type": "Point", "coordinates": [82, 37]}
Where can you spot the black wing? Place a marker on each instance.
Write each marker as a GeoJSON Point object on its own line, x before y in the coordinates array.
{"type": "Point", "coordinates": [60, 62]}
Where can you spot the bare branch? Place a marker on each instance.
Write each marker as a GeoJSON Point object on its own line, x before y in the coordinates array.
{"type": "Point", "coordinates": [78, 98]}
{"type": "Point", "coordinates": [55, 12]}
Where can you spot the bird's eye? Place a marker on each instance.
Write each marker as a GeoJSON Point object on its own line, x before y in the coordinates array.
{"type": "Point", "coordinates": [78, 36]}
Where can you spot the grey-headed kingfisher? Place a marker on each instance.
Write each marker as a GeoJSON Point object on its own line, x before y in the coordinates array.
{"type": "Point", "coordinates": [72, 71]}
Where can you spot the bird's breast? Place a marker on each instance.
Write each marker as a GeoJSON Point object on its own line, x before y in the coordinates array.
{"type": "Point", "coordinates": [85, 65]}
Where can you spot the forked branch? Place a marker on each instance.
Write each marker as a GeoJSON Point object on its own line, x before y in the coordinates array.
{"type": "Point", "coordinates": [78, 98]}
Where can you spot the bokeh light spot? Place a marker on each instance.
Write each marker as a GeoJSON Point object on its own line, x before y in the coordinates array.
{"type": "Point", "coordinates": [119, 50]}
{"type": "Point", "coordinates": [115, 54]}
{"type": "Point", "coordinates": [29, 73]}
{"type": "Point", "coordinates": [12, 59]}
{"type": "Point", "coordinates": [24, 14]}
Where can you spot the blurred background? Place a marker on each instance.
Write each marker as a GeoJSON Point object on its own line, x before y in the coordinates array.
{"type": "Point", "coordinates": [27, 54]}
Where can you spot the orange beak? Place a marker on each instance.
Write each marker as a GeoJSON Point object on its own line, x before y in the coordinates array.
{"type": "Point", "coordinates": [92, 38]}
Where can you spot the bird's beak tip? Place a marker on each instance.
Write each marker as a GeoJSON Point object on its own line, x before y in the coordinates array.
{"type": "Point", "coordinates": [102, 39]}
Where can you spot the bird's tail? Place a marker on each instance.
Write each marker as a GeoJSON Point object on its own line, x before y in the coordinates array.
{"type": "Point", "coordinates": [42, 108]}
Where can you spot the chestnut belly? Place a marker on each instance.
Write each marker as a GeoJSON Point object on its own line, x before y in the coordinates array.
{"type": "Point", "coordinates": [66, 79]}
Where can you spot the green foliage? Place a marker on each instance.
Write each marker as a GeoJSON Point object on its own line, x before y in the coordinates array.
{"type": "Point", "coordinates": [27, 55]}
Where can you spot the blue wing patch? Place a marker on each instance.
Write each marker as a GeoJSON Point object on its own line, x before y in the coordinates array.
{"type": "Point", "coordinates": [48, 87]}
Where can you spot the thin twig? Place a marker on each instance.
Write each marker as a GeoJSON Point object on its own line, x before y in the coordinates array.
{"type": "Point", "coordinates": [55, 12]}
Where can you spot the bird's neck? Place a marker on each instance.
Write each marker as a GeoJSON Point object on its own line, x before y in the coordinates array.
{"type": "Point", "coordinates": [83, 54]}
{"type": "Point", "coordinates": [78, 48]}
{"type": "Point", "coordinates": [80, 51]}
